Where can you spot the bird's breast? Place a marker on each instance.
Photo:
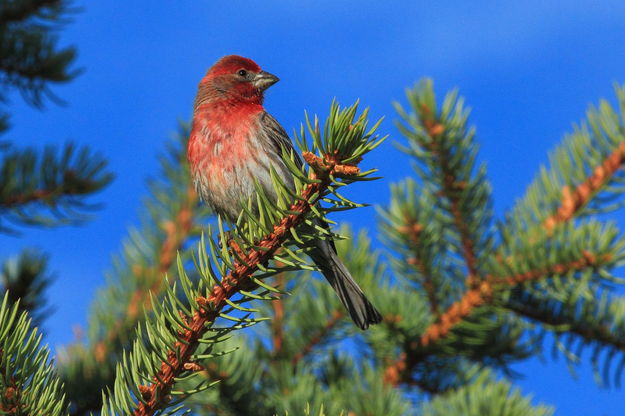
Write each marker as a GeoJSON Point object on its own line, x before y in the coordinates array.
{"type": "Point", "coordinates": [224, 158]}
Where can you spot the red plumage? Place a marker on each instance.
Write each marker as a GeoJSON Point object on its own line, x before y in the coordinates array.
{"type": "Point", "coordinates": [234, 141]}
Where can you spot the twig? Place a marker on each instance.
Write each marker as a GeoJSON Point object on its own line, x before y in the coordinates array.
{"type": "Point", "coordinates": [451, 186]}
{"type": "Point", "coordinates": [477, 297]}
{"type": "Point", "coordinates": [573, 200]}
{"type": "Point", "coordinates": [413, 231]}
{"type": "Point", "coordinates": [601, 334]}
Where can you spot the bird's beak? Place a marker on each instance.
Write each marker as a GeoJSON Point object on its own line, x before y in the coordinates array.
{"type": "Point", "coordinates": [264, 80]}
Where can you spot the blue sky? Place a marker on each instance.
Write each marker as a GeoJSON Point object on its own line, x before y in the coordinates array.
{"type": "Point", "coordinates": [527, 68]}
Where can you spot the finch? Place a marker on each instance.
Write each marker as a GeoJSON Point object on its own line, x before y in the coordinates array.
{"type": "Point", "coordinates": [234, 141]}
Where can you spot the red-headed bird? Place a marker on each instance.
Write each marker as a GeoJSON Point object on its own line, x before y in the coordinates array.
{"type": "Point", "coordinates": [234, 141]}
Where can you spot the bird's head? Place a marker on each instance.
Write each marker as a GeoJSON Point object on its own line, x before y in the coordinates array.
{"type": "Point", "coordinates": [235, 78]}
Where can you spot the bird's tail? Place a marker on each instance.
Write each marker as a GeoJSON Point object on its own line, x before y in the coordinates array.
{"type": "Point", "coordinates": [362, 312]}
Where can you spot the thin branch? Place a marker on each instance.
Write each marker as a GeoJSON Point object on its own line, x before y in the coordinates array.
{"type": "Point", "coordinates": [601, 334]}
{"type": "Point", "coordinates": [41, 195]}
{"type": "Point", "coordinates": [413, 231]}
{"type": "Point", "coordinates": [492, 284]}
{"type": "Point", "coordinates": [394, 372]}
{"type": "Point", "coordinates": [156, 394]}
{"type": "Point", "coordinates": [573, 200]}
{"type": "Point", "coordinates": [451, 187]}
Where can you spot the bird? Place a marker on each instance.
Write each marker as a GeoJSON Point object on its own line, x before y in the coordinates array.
{"type": "Point", "coordinates": [234, 142]}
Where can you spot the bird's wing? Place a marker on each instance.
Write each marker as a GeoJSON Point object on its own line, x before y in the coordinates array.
{"type": "Point", "coordinates": [277, 137]}
{"type": "Point", "coordinates": [278, 140]}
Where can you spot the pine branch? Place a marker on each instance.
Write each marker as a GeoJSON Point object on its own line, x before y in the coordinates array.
{"type": "Point", "coordinates": [29, 56]}
{"type": "Point", "coordinates": [549, 265]}
{"type": "Point", "coordinates": [541, 248]}
{"type": "Point", "coordinates": [583, 176]}
{"type": "Point", "coordinates": [602, 334]}
{"type": "Point", "coordinates": [413, 231]}
{"type": "Point", "coordinates": [55, 181]}
{"type": "Point", "coordinates": [408, 229]}
{"type": "Point", "coordinates": [578, 323]}
{"type": "Point", "coordinates": [400, 370]}
{"type": "Point", "coordinates": [25, 279]}
{"type": "Point", "coordinates": [443, 144]}
{"type": "Point", "coordinates": [241, 383]}
{"type": "Point", "coordinates": [573, 201]}
{"type": "Point", "coordinates": [29, 384]}
{"type": "Point", "coordinates": [450, 190]}
{"type": "Point", "coordinates": [484, 294]}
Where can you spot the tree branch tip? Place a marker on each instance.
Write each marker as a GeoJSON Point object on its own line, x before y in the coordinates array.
{"type": "Point", "coordinates": [191, 366]}
{"type": "Point", "coordinates": [330, 165]}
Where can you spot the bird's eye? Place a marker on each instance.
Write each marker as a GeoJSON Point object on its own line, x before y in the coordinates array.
{"type": "Point", "coordinates": [243, 72]}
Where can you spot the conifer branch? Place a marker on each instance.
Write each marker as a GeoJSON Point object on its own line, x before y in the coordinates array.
{"type": "Point", "coordinates": [409, 230]}
{"type": "Point", "coordinates": [56, 180]}
{"type": "Point", "coordinates": [582, 177]}
{"type": "Point", "coordinates": [396, 371]}
{"type": "Point", "coordinates": [25, 278]}
{"type": "Point", "coordinates": [400, 370]}
{"type": "Point", "coordinates": [29, 384]}
{"type": "Point", "coordinates": [538, 242]}
{"type": "Point", "coordinates": [41, 195]}
{"type": "Point", "coordinates": [443, 146]}
{"type": "Point", "coordinates": [450, 189]}
{"type": "Point", "coordinates": [169, 219]}
{"type": "Point", "coordinates": [601, 333]}
{"type": "Point", "coordinates": [485, 395]}
{"type": "Point", "coordinates": [413, 230]}
{"type": "Point", "coordinates": [30, 58]}
{"type": "Point", "coordinates": [155, 394]}
{"type": "Point", "coordinates": [490, 286]}
{"type": "Point", "coordinates": [573, 200]}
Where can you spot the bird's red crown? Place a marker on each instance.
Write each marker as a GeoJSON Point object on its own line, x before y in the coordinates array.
{"type": "Point", "coordinates": [230, 64]}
